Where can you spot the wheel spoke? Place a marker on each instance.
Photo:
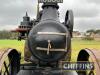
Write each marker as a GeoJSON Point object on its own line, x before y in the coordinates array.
{"type": "Point", "coordinates": [6, 68]}
{"type": "Point", "coordinates": [1, 72]}
{"type": "Point", "coordinates": [9, 62]}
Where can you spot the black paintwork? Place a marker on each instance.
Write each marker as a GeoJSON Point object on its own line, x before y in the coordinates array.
{"type": "Point", "coordinates": [48, 21]}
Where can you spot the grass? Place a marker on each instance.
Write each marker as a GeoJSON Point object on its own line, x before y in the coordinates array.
{"type": "Point", "coordinates": [15, 44]}
{"type": "Point", "coordinates": [11, 43]}
{"type": "Point", "coordinates": [77, 45]}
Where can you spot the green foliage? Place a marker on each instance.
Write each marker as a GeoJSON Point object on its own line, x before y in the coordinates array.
{"type": "Point", "coordinates": [97, 31]}
{"type": "Point", "coordinates": [90, 31]}
{"type": "Point", "coordinates": [15, 44]}
{"type": "Point", "coordinates": [93, 31]}
{"type": "Point", "coordinates": [8, 35]}
{"type": "Point", "coordinates": [90, 34]}
{"type": "Point", "coordinates": [88, 38]}
{"type": "Point", "coordinates": [77, 45]}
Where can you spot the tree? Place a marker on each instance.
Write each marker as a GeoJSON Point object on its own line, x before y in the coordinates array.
{"type": "Point", "coordinates": [90, 31]}
{"type": "Point", "coordinates": [7, 35]}
{"type": "Point", "coordinates": [97, 31]}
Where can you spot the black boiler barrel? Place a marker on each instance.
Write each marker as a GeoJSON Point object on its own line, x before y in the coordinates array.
{"type": "Point", "coordinates": [45, 31]}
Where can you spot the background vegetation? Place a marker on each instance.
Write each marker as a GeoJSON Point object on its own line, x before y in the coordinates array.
{"type": "Point", "coordinates": [77, 45]}
{"type": "Point", "coordinates": [8, 35]}
{"type": "Point", "coordinates": [9, 40]}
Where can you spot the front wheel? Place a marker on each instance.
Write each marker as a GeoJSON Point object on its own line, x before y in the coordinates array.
{"type": "Point", "coordinates": [9, 62]}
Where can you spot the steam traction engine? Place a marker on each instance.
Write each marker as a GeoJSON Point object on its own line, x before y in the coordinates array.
{"type": "Point", "coordinates": [48, 44]}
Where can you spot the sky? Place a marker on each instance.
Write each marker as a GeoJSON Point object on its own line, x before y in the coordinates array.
{"type": "Point", "coordinates": [86, 13]}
